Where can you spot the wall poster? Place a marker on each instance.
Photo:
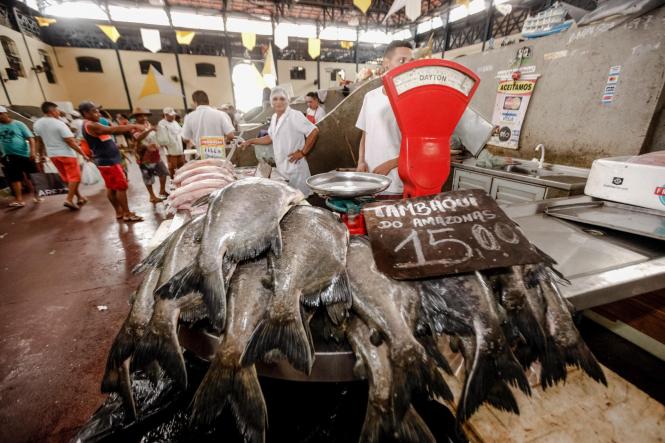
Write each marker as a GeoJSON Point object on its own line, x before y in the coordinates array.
{"type": "Point", "coordinates": [512, 101]}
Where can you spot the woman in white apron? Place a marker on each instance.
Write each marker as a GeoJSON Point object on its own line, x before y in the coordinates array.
{"type": "Point", "coordinates": [292, 137]}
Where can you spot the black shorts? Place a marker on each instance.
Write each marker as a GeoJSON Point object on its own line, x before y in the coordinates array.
{"type": "Point", "coordinates": [16, 165]}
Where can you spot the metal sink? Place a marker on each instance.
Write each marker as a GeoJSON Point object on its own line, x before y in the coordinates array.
{"type": "Point", "coordinates": [517, 168]}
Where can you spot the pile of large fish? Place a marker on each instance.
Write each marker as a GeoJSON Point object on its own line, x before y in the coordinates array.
{"type": "Point", "coordinates": [199, 178]}
{"type": "Point", "coordinates": [260, 262]}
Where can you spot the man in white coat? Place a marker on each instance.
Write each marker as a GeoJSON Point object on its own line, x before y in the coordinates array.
{"type": "Point", "coordinates": [292, 137]}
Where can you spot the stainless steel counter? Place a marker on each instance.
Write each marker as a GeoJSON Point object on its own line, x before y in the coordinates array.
{"type": "Point", "coordinates": [558, 177]}
{"type": "Point", "coordinates": [603, 265]}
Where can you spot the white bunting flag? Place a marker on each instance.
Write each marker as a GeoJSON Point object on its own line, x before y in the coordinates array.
{"type": "Point", "coordinates": [151, 39]}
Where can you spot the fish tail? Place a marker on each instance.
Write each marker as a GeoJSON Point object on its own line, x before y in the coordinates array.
{"type": "Point", "coordinates": [160, 343]}
{"type": "Point", "coordinates": [413, 429]}
{"type": "Point", "coordinates": [337, 312]}
{"type": "Point", "coordinates": [121, 350]}
{"type": "Point", "coordinates": [376, 424]}
{"type": "Point", "coordinates": [214, 296]}
{"type": "Point", "coordinates": [238, 388]}
{"type": "Point", "coordinates": [416, 372]}
{"type": "Point", "coordinates": [553, 365]}
{"type": "Point", "coordinates": [434, 353]}
{"type": "Point", "coordinates": [579, 355]}
{"type": "Point", "coordinates": [118, 380]}
{"type": "Point", "coordinates": [502, 398]}
{"type": "Point", "coordinates": [154, 259]}
{"type": "Point", "coordinates": [531, 330]}
{"type": "Point", "coordinates": [486, 372]}
{"type": "Point", "coordinates": [288, 335]}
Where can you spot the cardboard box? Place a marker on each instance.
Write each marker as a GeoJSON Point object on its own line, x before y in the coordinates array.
{"type": "Point", "coordinates": [633, 183]}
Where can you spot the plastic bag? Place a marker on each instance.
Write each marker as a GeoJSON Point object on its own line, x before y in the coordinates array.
{"type": "Point", "coordinates": [90, 174]}
{"type": "Point", "coordinates": [49, 167]}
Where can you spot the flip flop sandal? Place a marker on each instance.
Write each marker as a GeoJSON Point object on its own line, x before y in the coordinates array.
{"type": "Point", "coordinates": [38, 200]}
{"type": "Point", "coordinates": [133, 218]}
{"type": "Point", "coordinates": [82, 202]}
{"type": "Point", "coordinates": [70, 206]}
{"type": "Point", "coordinates": [16, 205]}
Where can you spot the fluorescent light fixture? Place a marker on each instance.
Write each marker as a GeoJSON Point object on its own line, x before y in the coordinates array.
{"type": "Point", "coordinates": [239, 24]}
{"type": "Point", "coordinates": [32, 3]}
{"type": "Point", "coordinates": [374, 36]}
{"type": "Point", "coordinates": [87, 10]}
{"type": "Point", "coordinates": [143, 15]}
{"type": "Point", "coordinates": [458, 13]}
{"type": "Point", "coordinates": [338, 33]}
{"type": "Point", "coordinates": [297, 30]}
{"type": "Point", "coordinates": [428, 25]}
{"type": "Point", "coordinates": [182, 19]}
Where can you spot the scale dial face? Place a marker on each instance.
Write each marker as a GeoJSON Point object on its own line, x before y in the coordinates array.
{"type": "Point", "coordinates": [433, 75]}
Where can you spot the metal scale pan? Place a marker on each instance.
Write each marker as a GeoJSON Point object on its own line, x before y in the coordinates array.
{"type": "Point", "coordinates": [348, 184]}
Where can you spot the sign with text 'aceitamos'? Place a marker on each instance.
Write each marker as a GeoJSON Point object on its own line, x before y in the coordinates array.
{"type": "Point", "coordinates": [448, 233]}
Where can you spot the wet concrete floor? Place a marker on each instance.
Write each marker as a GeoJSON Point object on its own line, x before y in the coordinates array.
{"type": "Point", "coordinates": [56, 268]}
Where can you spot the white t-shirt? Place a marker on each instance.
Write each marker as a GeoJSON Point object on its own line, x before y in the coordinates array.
{"type": "Point", "coordinates": [317, 113]}
{"type": "Point", "coordinates": [288, 135]}
{"type": "Point", "coordinates": [168, 135]}
{"type": "Point", "coordinates": [206, 122]}
{"type": "Point", "coordinates": [53, 132]}
{"type": "Point", "coordinates": [382, 135]}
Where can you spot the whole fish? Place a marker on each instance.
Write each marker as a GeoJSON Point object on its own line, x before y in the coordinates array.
{"type": "Point", "coordinates": [117, 373]}
{"type": "Point", "coordinates": [312, 267]}
{"type": "Point", "coordinates": [222, 163]}
{"type": "Point", "coordinates": [160, 341]}
{"type": "Point", "coordinates": [373, 301]}
{"type": "Point", "coordinates": [464, 305]}
{"type": "Point", "coordinates": [226, 381]}
{"type": "Point", "coordinates": [379, 417]}
{"type": "Point", "coordinates": [561, 328]}
{"type": "Point", "coordinates": [184, 175]}
{"type": "Point", "coordinates": [242, 221]}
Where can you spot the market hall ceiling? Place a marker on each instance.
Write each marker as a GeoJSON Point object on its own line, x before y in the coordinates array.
{"type": "Point", "coordinates": [323, 11]}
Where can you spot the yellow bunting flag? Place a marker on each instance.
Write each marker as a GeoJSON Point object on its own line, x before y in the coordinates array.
{"type": "Point", "coordinates": [248, 40]}
{"type": "Point", "coordinates": [110, 31]}
{"type": "Point", "coordinates": [463, 3]}
{"type": "Point", "coordinates": [363, 5]}
{"type": "Point", "coordinates": [184, 37]}
{"type": "Point", "coordinates": [314, 47]}
{"type": "Point", "coordinates": [43, 21]}
{"type": "Point", "coordinates": [346, 44]}
{"type": "Point", "coordinates": [269, 63]}
{"type": "Point", "coordinates": [156, 83]}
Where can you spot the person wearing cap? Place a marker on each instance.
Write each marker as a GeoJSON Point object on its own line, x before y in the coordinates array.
{"type": "Point", "coordinates": [107, 158]}
{"type": "Point", "coordinates": [206, 121]}
{"type": "Point", "coordinates": [292, 137]}
{"type": "Point", "coordinates": [61, 148]}
{"type": "Point", "coordinates": [148, 155]}
{"type": "Point", "coordinates": [168, 135]}
{"type": "Point", "coordinates": [17, 145]}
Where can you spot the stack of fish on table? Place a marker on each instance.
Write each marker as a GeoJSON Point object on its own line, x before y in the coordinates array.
{"type": "Point", "coordinates": [197, 179]}
{"type": "Point", "coordinates": [258, 265]}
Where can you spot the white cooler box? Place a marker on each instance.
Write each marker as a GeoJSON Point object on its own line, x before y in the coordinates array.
{"type": "Point", "coordinates": [638, 181]}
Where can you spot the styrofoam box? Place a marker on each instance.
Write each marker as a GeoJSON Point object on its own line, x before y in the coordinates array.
{"type": "Point", "coordinates": [632, 183]}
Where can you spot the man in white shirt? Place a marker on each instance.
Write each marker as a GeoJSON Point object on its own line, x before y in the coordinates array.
{"type": "Point", "coordinates": [381, 139]}
{"type": "Point", "coordinates": [61, 148]}
{"type": "Point", "coordinates": [169, 138]}
{"type": "Point", "coordinates": [206, 121]}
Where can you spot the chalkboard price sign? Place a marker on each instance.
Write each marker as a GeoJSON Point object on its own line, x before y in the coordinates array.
{"type": "Point", "coordinates": [448, 233]}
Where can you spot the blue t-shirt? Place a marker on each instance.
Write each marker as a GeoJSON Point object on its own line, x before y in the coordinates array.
{"type": "Point", "coordinates": [14, 138]}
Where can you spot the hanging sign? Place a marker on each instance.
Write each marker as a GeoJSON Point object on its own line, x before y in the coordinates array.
{"type": "Point", "coordinates": [448, 233]}
{"type": "Point", "coordinates": [512, 101]}
{"type": "Point", "coordinates": [212, 147]}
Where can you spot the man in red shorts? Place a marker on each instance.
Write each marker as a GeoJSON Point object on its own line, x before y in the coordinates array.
{"type": "Point", "coordinates": [108, 159]}
{"type": "Point", "coordinates": [61, 148]}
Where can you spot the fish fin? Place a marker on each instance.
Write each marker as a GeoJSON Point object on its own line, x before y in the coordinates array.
{"type": "Point", "coordinates": [122, 384]}
{"type": "Point", "coordinates": [188, 279]}
{"type": "Point", "coordinates": [377, 423]}
{"type": "Point", "coordinates": [487, 370]}
{"type": "Point", "coordinates": [193, 313]}
{"type": "Point", "coordinates": [579, 355]}
{"type": "Point", "coordinates": [552, 365]}
{"type": "Point", "coordinates": [337, 312]}
{"type": "Point", "coordinates": [155, 258]}
{"type": "Point", "coordinates": [161, 345]}
{"type": "Point", "coordinates": [253, 249]}
{"type": "Point", "coordinates": [414, 371]}
{"type": "Point", "coordinates": [238, 388]}
{"type": "Point", "coordinates": [435, 354]}
{"type": "Point", "coordinates": [412, 429]}
{"type": "Point", "coordinates": [286, 334]}
{"type": "Point", "coordinates": [308, 330]}
{"type": "Point", "coordinates": [532, 332]}
{"type": "Point", "coordinates": [203, 200]}
{"type": "Point", "coordinates": [501, 397]}
{"type": "Point", "coordinates": [338, 291]}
